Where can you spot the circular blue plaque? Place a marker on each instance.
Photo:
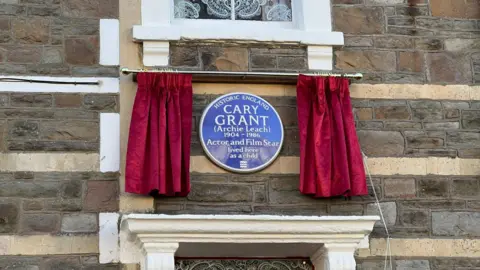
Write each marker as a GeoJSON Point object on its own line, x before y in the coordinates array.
{"type": "Point", "coordinates": [241, 132]}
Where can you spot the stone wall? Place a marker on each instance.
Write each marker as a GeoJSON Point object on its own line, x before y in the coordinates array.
{"type": "Point", "coordinates": [390, 41]}
{"type": "Point", "coordinates": [49, 210]}
{"type": "Point", "coordinates": [57, 122]}
{"type": "Point", "coordinates": [53, 37]}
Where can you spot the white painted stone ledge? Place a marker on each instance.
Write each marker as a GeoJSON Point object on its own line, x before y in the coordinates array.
{"type": "Point", "coordinates": [330, 240]}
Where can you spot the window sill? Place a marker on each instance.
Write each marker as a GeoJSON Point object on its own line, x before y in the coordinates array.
{"type": "Point", "coordinates": [156, 40]}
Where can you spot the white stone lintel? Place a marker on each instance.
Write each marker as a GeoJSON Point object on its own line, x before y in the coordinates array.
{"type": "Point", "coordinates": [327, 240]}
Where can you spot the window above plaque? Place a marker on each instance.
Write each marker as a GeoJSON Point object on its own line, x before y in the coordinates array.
{"type": "Point", "coordinates": [301, 22]}
{"type": "Point", "coordinates": [251, 10]}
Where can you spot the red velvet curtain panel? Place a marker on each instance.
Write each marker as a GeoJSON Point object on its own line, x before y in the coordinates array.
{"type": "Point", "coordinates": [158, 153]}
{"type": "Point", "coordinates": [330, 157]}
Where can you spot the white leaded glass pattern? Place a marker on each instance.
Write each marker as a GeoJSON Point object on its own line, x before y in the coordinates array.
{"type": "Point", "coordinates": [254, 10]}
{"type": "Point", "coordinates": [280, 264]}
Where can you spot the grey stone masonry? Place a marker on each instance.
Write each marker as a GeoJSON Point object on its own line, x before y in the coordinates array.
{"type": "Point", "coordinates": [413, 206]}
{"type": "Point", "coordinates": [52, 122]}
{"type": "Point", "coordinates": [55, 202]}
{"type": "Point", "coordinates": [59, 262]}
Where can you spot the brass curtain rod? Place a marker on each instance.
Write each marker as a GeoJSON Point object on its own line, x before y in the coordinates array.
{"type": "Point", "coordinates": [127, 71]}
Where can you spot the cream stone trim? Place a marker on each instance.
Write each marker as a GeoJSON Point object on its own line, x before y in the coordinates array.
{"type": "Point", "coordinates": [130, 203]}
{"type": "Point", "coordinates": [423, 247]}
{"type": "Point", "coordinates": [47, 245]}
{"type": "Point", "coordinates": [159, 236]}
{"type": "Point", "coordinates": [364, 91]}
{"type": "Point", "coordinates": [48, 162]}
{"type": "Point", "coordinates": [377, 166]}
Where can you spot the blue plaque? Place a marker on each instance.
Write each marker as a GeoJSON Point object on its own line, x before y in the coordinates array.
{"type": "Point", "coordinates": [241, 132]}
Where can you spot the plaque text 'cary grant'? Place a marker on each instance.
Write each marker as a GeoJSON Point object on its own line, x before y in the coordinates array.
{"type": "Point", "coordinates": [241, 132]}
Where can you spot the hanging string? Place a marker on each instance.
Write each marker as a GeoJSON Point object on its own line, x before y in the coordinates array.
{"type": "Point", "coordinates": [388, 251]}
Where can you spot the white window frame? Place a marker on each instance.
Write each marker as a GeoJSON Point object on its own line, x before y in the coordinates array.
{"type": "Point", "coordinates": [311, 25]}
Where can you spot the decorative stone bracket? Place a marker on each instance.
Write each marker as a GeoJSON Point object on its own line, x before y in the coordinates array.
{"type": "Point", "coordinates": [329, 241]}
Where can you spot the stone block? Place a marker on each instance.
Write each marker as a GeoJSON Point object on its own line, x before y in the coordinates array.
{"type": "Point", "coordinates": [32, 205]}
{"type": "Point", "coordinates": [82, 51]}
{"type": "Point", "coordinates": [9, 215]}
{"type": "Point", "coordinates": [358, 41]}
{"type": "Point", "coordinates": [291, 210]}
{"type": "Point", "coordinates": [366, 61]}
{"type": "Point", "coordinates": [370, 125]}
{"type": "Point", "coordinates": [460, 44]}
{"type": "Point", "coordinates": [346, 209]}
{"type": "Point", "coordinates": [203, 192]}
{"type": "Point", "coordinates": [71, 130]}
{"type": "Point", "coordinates": [392, 112]}
{"type": "Point", "coordinates": [358, 20]}
{"type": "Point", "coordinates": [449, 68]}
{"type": "Point", "coordinates": [402, 125]}
{"type": "Point", "coordinates": [371, 265]}
{"type": "Point", "coordinates": [411, 11]}
{"type": "Point", "coordinates": [469, 153]}
{"type": "Point", "coordinates": [455, 9]}
{"type": "Point", "coordinates": [292, 62]}
{"type": "Point", "coordinates": [63, 263]}
{"type": "Point", "coordinates": [363, 114]}
{"type": "Point", "coordinates": [101, 102]}
{"type": "Point", "coordinates": [455, 105]}
{"type": "Point", "coordinates": [49, 69]}
{"type": "Point", "coordinates": [39, 223]}
{"type": "Point", "coordinates": [433, 204]}
{"type": "Point", "coordinates": [22, 129]}
{"type": "Point", "coordinates": [404, 78]}
{"type": "Point", "coordinates": [75, 114]}
{"type": "Point", "coordinates": [412, 265]}
{"type": "Point", "coordinates": [32, 30]}
{"type": "Point", "coordinates": [427, 114]}
{"type": "Point", "coordinates": [22, 54]}
{"type": "Point", "coordinates": [263, 61]}
{"type": "Point", "coordinates": [452, 114]}
{"type": "Point", "coordinates": [63, 205]}
{"type": "Point", "coordinates": [401, 20]}
{"type": "Point", "coordinates": [381, 143]}
{"type": "Point", "coordinates": [467, 140]}
{"type": "Point", "coordinates": [471, 119]}
{"type": "Point", "coordinates": [30, 100]}
{"type": "Point", "coordinates": [459, 224]}
{"type": "Point", "coordinates": [95, 71]}
{"type": "Point", "coordinates": [463, 188]}
{"type": "Point", "coordinates": [79, 223]}
{"type": "Point", "coordinates": [20, 263]}
{"type": "Point", "coordinates": [7, 9]}
{"type": "Point", "coordinates": [408, 31]}
{"type": "Point", "coordinates": [400, 188]}
{"type": "Point", "coordinates": [212, 209]}
{"type": "Point", "coordinates": [68, 100]}
{"type": "Point", "coordinates": [428, 44]}
{"type": "Point", "coordinates": [433, 188]}
{"type": "Point", "coordinates": [389, 211]}
{"type": "Point", "coordinates": [53, 146]}
{"type": "Point", "coordinates": [434, 23]}
{"type": "Point", "coordinates": [432, 153]}
{"type": "Point", "coordinates": [101, 196]}
{"type": "Point", "coordinates": [288, 115]}
{"type": "Point", "coordinates": [227, 59]}
{"type": "Point", "coordinates": [393, 42]}
{"type": "Point", "coordinates": [43, 11]}
{"type": "Point", "coordinates": [72, 189]}
{"type": "Point", "coordinates": [29, 189]}
{"type": "Point", "coordinates": [184, 56]}
{"type": "Point", "coordinates": [442, 125]}
{"type": "Point", "coordinates": [410, 61]}
{"type": "Point", "coordinates": [52, 55]}
{"type": "Point", "coordinates": [412, 218]}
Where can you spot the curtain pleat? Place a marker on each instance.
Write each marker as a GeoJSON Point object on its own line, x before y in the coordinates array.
{"type": "Point", "coordinates": [158, 152]}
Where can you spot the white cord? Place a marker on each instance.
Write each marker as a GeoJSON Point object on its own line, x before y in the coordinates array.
{"type": "Point", "coordinates": [388, 252]}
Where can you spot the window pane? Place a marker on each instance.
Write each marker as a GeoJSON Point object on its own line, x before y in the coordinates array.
{"type": "Point", "coordinates": [263, 10]}
{"type": "Point", "coordinates": [202, 9]}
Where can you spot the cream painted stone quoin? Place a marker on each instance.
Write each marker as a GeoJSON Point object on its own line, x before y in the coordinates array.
{"type": "Point", "coordinates": [329, 241]}
{"type": "Point", "coordinates": [311, 25]}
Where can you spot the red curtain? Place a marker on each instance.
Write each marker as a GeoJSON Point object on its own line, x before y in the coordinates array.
{"type": "Point", "coordinates": [158, 153]}
{"type": "Point", "coordinates": [330, 156]}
